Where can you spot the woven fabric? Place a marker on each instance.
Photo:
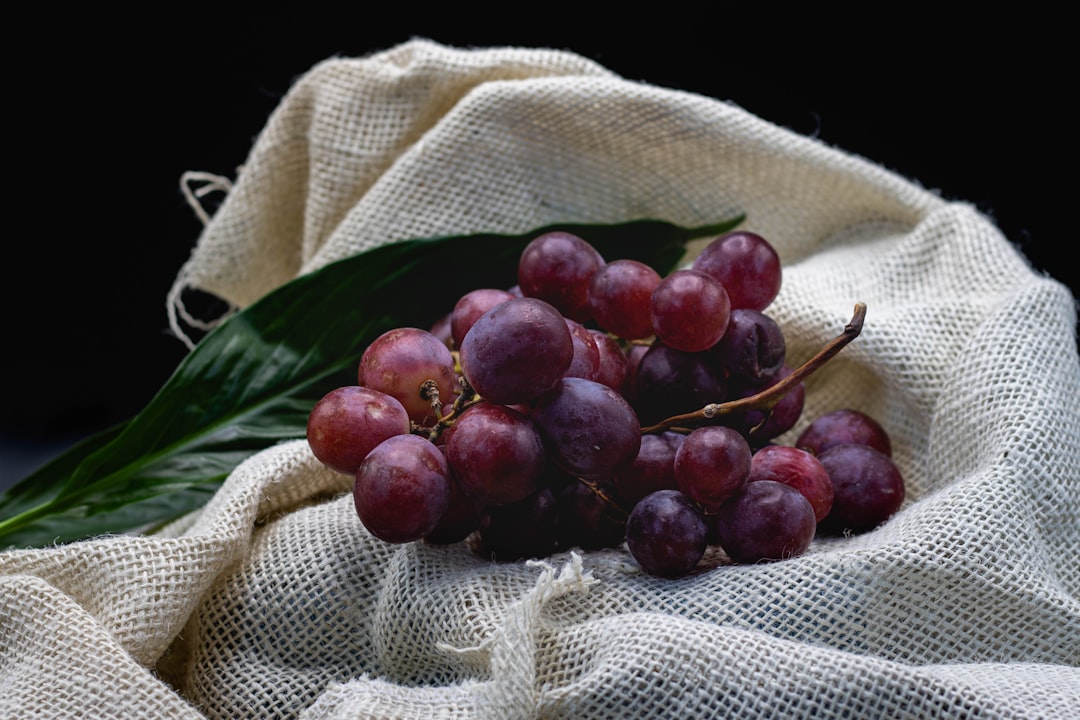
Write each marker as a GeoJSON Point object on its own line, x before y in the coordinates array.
{"type": "Point", "coordinates": [272, 601]}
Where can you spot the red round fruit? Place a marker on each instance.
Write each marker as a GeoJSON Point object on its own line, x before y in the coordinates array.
{"type": "Point", "coordinates": [402, 489]}
{"type": "Point", "coordinates": [746, 264]}
{"type": "Point", "coordinates": [347, 422]}
{"type": "Point", "coordinates": [400, 361]}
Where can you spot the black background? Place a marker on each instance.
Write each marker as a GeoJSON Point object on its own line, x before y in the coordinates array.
{"type": "Point", "coordinates": [107, 111]}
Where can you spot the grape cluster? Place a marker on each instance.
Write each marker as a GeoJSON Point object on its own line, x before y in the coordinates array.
{"type": "Point", "coordinates": [597, 403]}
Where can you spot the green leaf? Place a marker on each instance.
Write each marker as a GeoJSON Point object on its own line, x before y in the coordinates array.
{"type": "Point", "coordinates": [251, 382]}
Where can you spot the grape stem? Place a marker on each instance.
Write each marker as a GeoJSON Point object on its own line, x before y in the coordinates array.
{"type": "Point", "coordinates": [465, 399]}
{"type": "Point", "coordinates": [767, 399]}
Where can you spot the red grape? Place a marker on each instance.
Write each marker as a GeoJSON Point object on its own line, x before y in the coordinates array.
{"type": "Point", "coordinates": [797, 468]}
{"type": "Point", "coordinates": [689, 311]}
{"type": "Point", "coordinates": [558, 267]}
{"type": "Point", "coordinates": [347, 422]}
{"type": "Point", "coordinates": [495, 453]}
{"type": "Point", "coordinates": [400, 361]}
{"type": "Point", "coordinates": [402, 489]}
{"type": "Point", "coordinates": [746, 264]}
{"type": "Point", "coordinates": [711, 464]}
{"type": "Point", "coordinates": [753, 348]}
{"type": "Point", "coordinates": [620, 297]}
{"type": "Point", "coordinates": [470, 307]}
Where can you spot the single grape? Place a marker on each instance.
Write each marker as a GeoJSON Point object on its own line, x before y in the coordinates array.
{"type": "Point", "coordinates": [558, 267]}
{"type": "Point", "coordinates": [689, 310]}
{"type": "Point", "coordinates": [746, 264]}
{"type": "Point", "coordinates": [347, 422]}
{"type": "Point", "coordinates": [711, 464]}
{"type": "Point", "coordinates": [470, 307]}
{"type": "Point", "coordinates": [753, 348]}
{"type": "Point", "coordinates": [867, 485]}
{"type": "Point", "coordinates": [495, 453]}
{"type": "Point", "coordinates": [797, 468]}
{"type": "Point", "coordinates": [842, 427]}
{"type": "Point", "coordinates": [670, 382]}
{"type": "Point", "coordinates": [528, 528]}
{"type": "Point", "coordinates": [653, 469]}
{"type": "Point", "coordinates": [516, 350]}
{"type": "Point", "coordinates": [402, 489]}
{"type": "Point", "coordinates": [400, 361]}
{"type": "Point", "coordinates": [620, 297]}
{"type": "Point", "coordinates": [589, 430]}
{"type": "Point", "coordinates": [666, 533]}
{"type": "Point", "coordinates": [765, 521]}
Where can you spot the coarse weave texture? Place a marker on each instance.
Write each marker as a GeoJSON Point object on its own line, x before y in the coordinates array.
{"type": "Point", "coordinates": [273, 602]}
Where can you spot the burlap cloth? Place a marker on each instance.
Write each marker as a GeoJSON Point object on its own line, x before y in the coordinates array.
{"type": "Point", "coordinates": [272, 601]}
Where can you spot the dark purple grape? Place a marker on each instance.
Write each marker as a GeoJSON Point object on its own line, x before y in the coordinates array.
{"type": "Point", "coordinates": [516, 351]}
{"type": "Point", "coordinates": [760, 428]}
{"type": "Point", "coordinates": [746, 264]}
{"type": "Point", "coordinates": [666, 533]}
{"type": "Point", "coordinates": [558, 267]}
{"type": "Point", "coordinates": [470, 306]}
{"type": "Point", "coordinates": [844, 427]}
{"type": "Point", "coordinates": [528, 528]}
{"type": "Point", "coordinates": [402, 489]}
{"type": "Point", "coordinates": [589, 430]}
{"type": "Point", "coordinates": [670, 382]}
{"type": "Point", "coordinates": [400, 361]}
{"type": "Point", "coordinates": [765, 521]}
{"type": "Point", "coordinates": [495, 453]}
{"type": "Point", "coordinates": [620, 297]}
{"type": "Point", "coordinates": [712, 464]}
{"type": "Point", "coordinates": [347, 422]}
{"type": "Point", "coordinates": [689, 311]}
{"type": "Point", "coordinates": [797, 468]}
{"type": "Point", "coordinates": [868, 488]}
{"type": "Point", "coordinates": [753, 348]}
{"type": "Point", "coordinates": [653, 469]}
{"type": "Point", "coordinates": [587, 520]}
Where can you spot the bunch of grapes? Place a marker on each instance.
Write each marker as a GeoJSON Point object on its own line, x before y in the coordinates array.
{"type": "Point", "coordinates": [595, 404]}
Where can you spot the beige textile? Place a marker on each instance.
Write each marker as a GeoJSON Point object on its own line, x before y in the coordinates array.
{"type": "Point", "coordinates": [273, 602]}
